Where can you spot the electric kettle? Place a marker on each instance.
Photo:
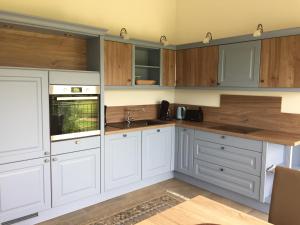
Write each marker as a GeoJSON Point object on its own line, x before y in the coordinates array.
{"type": "Point", "coordinates": [181, 111]}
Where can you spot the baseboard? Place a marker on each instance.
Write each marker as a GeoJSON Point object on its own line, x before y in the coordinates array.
{"type": "Point", "coordinates": [77, 205]}
{"type": "Point", "coordinates": [252, 203]}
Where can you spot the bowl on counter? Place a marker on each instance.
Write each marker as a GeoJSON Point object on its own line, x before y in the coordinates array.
{"type": "Point", "coordinates": [145, 82]}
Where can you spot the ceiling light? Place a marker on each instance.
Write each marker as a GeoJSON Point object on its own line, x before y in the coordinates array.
{"type": "Point", "coordinates": [124, 34]}
{"type": "Point", "coordinates": [163, 40]}
{"type": "Point", "coordinates": [208, 38]}
{"type": "Point", "coordinates": [259, 30]}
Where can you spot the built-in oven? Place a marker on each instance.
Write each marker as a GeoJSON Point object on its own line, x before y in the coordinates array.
{"type": "Point", "coordinates": [74, 111]}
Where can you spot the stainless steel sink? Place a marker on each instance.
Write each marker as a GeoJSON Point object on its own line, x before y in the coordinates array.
{"type": "Point", "coordinates": [136, 124]}
{"type": "Point", "coordinates": [237, 129]}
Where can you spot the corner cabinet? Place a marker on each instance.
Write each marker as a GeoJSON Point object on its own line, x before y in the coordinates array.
{"type": "Point", "coordinates": [239, 64]}
{"type": "Point", "coordinates": [117, 63]}
{"type": "Point", "coordinates": [24, 188]}
{"type": "Point", "coordinates": [24, 115]}
{"type": "Point", "coordinates": [184, 150]}
{"type": "Point", "coordinates": [169, 64]}
{"type": "Point", "coordinates": [75, 176]}
{"type": "Point", "coordinates": [122, 159]}
{"type": "Point", "coordinates": [156, 151]}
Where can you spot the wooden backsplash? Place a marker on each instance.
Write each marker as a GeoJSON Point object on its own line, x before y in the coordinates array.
{"type": "Point", "coordinates": [250, 111]}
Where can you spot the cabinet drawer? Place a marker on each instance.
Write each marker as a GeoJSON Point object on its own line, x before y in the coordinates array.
{"type": "Point", "coordinates": [229, 140]}
{"type": "Point", "coordinates": [234, 158]}
{"type": "Point", "coordinates": [73, 145]}
{"type": "Point", "coordinates": [74, 77]}
{"type": "Point", "coordinates": [242, 183]}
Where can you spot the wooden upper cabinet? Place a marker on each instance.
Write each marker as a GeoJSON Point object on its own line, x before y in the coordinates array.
{"type": "Point", "coordinates": [280, 62]}
{"type": "Point", "coordinates": [117, 63]}
{"type": "Point", "coordinates": [169, 62]}
{"type": "Point", "coordinates": [197, 67]}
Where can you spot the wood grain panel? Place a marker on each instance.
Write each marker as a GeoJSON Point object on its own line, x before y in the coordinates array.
{"type": "Point", "coordinates": [39, 50]}
{"type": "Point", "coordinates": [197, 67]}
{"type": "Point", "coordinates": [117, 63]}
{"type": "Point", "coordinates": [252, 111]}
{"type": "Point", "coordinates": [280, 62]}
{"type": "Point", "coordinates": [169, 62]}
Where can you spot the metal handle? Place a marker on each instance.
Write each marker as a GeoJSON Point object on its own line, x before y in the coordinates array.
{"type": "Point", "coordinates": [222, 147]}
{"type": "Point", "coordinates": [223, 137]}
{"type": "Point", "coordinates": [271, 169]}
{"type": "Point", "coordinates": [77, 142]}
{"type": "Point", "coordinates": [46, 153]}
{"type": "Point", "coordinates": [221, 169]}
{"type": "Point", "coordinates": [46, 160]}
{"type": "Point", "coordinates": [158, 130]}
{"type": "Point", "coordinates": [76, 98]}
{"type": "Point", "coordinates": [124, 135]}
{"type": "Point", "coordinates": [54, 159]}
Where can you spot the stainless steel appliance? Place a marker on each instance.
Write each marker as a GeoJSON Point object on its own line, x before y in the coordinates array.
{"type": "Point", "coordinates": [74, 111]}
{"type": "Point", "coordinates": [180, 114]}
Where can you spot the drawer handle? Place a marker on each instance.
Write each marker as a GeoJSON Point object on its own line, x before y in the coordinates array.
{"type": "Point", "coordinates": [223, 137]}
{"type": "Point", "coordinates": [223, 148]}
{"type": "Point", "coordinates": [184, 129]}
{"type": "Point", "coordinates": [46, 160]}
{"type": "Point", "coordinates": [54, 159]}
{"type": "Point", "coordinates": [158, 130]}
{"type": "Point", "coordinates": [221, 169]}
{"type": "Point", "coordinates": [124, 135]}
{"type": "Point", "coordinates": [46, 153]}
{"type": "Point", "coordinates": [77, 142]}
{"type": "Point", "coordinates": [271, 169]}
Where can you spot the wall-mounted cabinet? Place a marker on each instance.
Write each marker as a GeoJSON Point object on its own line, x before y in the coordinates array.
{"type": "Point", "coordinates": [239, 64]}
{"type": "Point", "coordinates": [117, 63]}
{"type": "Point", "coordinates": [197, 67]}
{"type": "Point", "coordinates": [27, 48]}
{"type": "Point", "coordinates": [169, 70]}
{"type": "Point", "coordinates": [280, 62]}
{"type": "Point", "coordinates": [147, 66]}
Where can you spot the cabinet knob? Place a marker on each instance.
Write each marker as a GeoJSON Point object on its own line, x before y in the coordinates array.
{"type": "Point", "coordinates": [124, 135]}
{"type": "Point", "coordinates": [262, 81]}
{"type": "Point", "coordinates": [218, 83]}
{"type": "Point", "coordinates": [46, 153]}
{"type": "Point", "coordinates": [223, 137]}
{"type": "Point", "coordinates": [158, 130]}
{"type": "Point", "coordinates": [77, 142]}
{"type": "Point", "coordinates": [54, 159]}
{"type": "Point", "coordinates": [221, 169]}
{"type": "Point", "coordinates": [129, 80]}
{"type": "Point", "coordinates": [46, 160]}
{"type": "Point", "coordinates": [222, 147]}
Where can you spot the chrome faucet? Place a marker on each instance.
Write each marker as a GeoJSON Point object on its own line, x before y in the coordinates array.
{"type": "Point", "coordinates": [129, 118]}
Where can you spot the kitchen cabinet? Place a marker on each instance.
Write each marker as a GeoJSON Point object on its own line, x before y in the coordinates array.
{"type": "Point", "coordinates": [123, 155]}
{"type": "Point", "coordinates": [24, 115]}
{"type": "Point", "coordinates": [117, 63]}
{"type": "Point", "coordinates": [169, 63]}
{"type": "Point", "coordinates": [280, 62]}
{"type": "Point", "coordinates": [239, 64]}
{"type": "Point", "coordinates": [24, 188]}
{"type": "Point", "coordinates": [197, 67]}
{"type": "Point", "coordinates": [75, 176]}
{"type": "Point", "coordinates": [184, 150]}
{"type": "Point", "coordinates": [156, 151]}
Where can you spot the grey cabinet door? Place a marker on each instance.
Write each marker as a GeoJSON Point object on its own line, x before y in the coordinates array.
{"type": "Point", "coordinates": [239, 64]}
{"type": "Point", "coordinates": [122, 159]}
{"type": "Point", "coordinates": [156, 151]}
{"type": "Point", "coordinates": [184, 150]}
{"type": "Point", "coordinates": [24, 115]}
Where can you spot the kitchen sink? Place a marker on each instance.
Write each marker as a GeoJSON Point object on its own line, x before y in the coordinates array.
{"type": "Point", "coordinates": [236, 129]}
{"type": "Point", "coordinates": [136, 124]}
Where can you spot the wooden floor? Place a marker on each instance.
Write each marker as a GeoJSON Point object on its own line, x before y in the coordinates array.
{"type": "Point", "coordinates": [128, 200]}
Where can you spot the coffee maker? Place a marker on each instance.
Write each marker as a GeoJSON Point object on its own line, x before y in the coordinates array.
{"type": "Point", "coordinates": [164, 110]}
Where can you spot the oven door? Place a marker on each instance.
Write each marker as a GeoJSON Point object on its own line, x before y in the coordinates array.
{"type": "Point", "coordinates": [74, 116]}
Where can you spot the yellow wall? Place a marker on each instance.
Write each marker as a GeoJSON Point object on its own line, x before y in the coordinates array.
{"type": "Point", "coordinates": [226, 18]}
{"type": "Point", "coordinates": [182, 21]}
{"type": "Point", "coordinates": [144, 19]}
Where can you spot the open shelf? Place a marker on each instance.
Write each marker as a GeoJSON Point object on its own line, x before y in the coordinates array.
{"type": "Point", "coordinates": [147, 64]}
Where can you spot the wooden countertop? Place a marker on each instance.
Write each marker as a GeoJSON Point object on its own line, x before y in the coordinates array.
{"type": "Point", "coordinates": [276, 137]}
{"type": "Point", "coordinates": [201, 210]}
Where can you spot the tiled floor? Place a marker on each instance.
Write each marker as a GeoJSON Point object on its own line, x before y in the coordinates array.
{"type": "Point", "coordinates": [128, 200]}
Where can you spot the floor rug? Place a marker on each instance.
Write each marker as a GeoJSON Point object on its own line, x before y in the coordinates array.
{"type": "Point", "coordinates": [141, 211]}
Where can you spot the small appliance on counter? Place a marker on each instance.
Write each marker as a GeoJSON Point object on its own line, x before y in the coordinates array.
{"type": "Point", "coordinates": [181, 113]}
{"type": "Point", "coordinates": [164, 110]}
{"type": "Point", "coordinates": [194, 115]}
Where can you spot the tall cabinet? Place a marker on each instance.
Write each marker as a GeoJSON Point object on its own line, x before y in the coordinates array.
{"type": "Point", "coordinates": [24, 119]}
